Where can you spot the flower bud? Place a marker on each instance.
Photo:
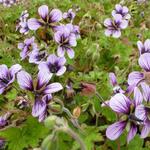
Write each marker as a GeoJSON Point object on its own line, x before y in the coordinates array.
{"type": "Point", "coordinates": [77, 112]}
{"type": "Point", "coordinates": [50, 121]}
{"type": "Point", "coordinates": [87, 89]}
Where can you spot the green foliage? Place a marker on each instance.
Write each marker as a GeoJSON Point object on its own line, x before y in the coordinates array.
{"type": "Point", "coordinates": [28, 135]}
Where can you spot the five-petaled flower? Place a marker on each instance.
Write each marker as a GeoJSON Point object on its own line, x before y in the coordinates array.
{"type": "Point", "coordinates": [27, 47]}
{"type": "Point", "coordinates": [7, 76]}
{"type": "Point", "coordinates": [48, 19]}
{"type": "Point", "coordinates": [41, 89]}
{"type": "Point", "coordinates": [66, 40]}
{"type": "Point", "coordinates": [124, 107]}
{"type": "Point", "coordinates": [122, 10]}
{"type": "Point", "coordinates": [54, 65]}
{"type": "Point", "coordinates": [115, 25]}
{"type": "Point", "coordinates": [69, 15]}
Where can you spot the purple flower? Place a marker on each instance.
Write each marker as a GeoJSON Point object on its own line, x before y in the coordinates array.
{"type": "Point", "coordinates": [41, 89]}
{"type": "Point", "coordinates": [72, 28]}
{"type": "Point", "coordinates": [66, 40]}
{"type": "Point", "coordinates": [26, 47]}
{"type": "Point", "coordinates": [22, 25]}
{"type": "Point", "coordinates": [122, 106]}
{"type": "Point", "coordinates": [47, 18]}
{"type": "Point", "coordinates": [8, 3]}
{"type": "Point", "coordinates": [69, 15]}
{"type": "Point", "coordinates": [54, 65]}
{"type": "Point", "coordinates": [4, 120]}
{"type": "Point", "coordinates": [122, 10]}
{"type": "Point", "coordinates": [113, 82]}
{"type": "Point", "coordinates": [37, 57]}
{"type": "Point", "coordinates": [144, 48]}
{"type": "Point", "coordinates": [142, 112]}
{"type": "Point", "coordinates": [2, 143]}
{"type": "Point", "coordinates": [7, 76]}
{"type": "Point", "coordinates": [114, 26]}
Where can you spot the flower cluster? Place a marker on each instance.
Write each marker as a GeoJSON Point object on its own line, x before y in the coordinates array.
{"type": "Point", "coordinates": [41, 87]}
{"type": "Point", "coordinates": [132, 105]}
{"type": "Point", "coordinates": [8, 3]}
{"type": "Point", "coordinates": [119, 21]}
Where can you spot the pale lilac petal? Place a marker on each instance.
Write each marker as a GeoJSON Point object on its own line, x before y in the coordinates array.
{"type": "Point", "coordinates": [120, 103]}
{"type": "Point", "coordinates": [52, 58]}
{"type": "Point", "coordinates": [140, 112]}
{"type": "Point", "coordinates": [115, 130]}
{"type": "Point", "coordinates": [14, 69]}
{"type": "Point", "coordinates": [72, 40]}
{"type": "Point", "coordinates": [55, 15]}
{"type": "Point", "coordinates": [60, 51]}
{"type": "Point", "coordinates": [140, 46]}
{"type": "Point", "coordinates": [25, 81]}
{"type": "Point", "coordinates": [70, 53]}
{"type": "Point", "coordinates": [118, 7]}
{"type": "Point", "coordinates": [38, 108]}
{"type": "Point", "coordinates": [52, 88]}
{"type": "Point", "coordinates": [145, 130]}
{"type": "Point", "coordinates": [3, 71]}
{"type": "Point", "coordinates": [116, 33]}
{"type": "Point", "coordinates": [34, 24]}
{"type": "Point", "coordinates": [135, 77]}
{"type": "Point", "coordinates": [138, 98]}
{"type": "Point", "coordinates": [20, 46]}
{"type": "Point", "coordinates": [117, 18]}
{"type": "Point", "coordinates": [108, 32]}
{"type": "Point", "coordinates": [146, 91]}
{"type": "Point", "coordinates": [147, 45]}
{"type": "Point", "coordinates": [132, 132]}
{"type": "Point", "coordinates": [2, 89]}
{"type": "Point", "coordinates": [144, 61]}
{"type": "Point", "coordinates": [62, 61]}
{"type": "Point", "coordinates": [104, 104]}
{"type": "Point", "coordinates": [57, 36]}
{"type": "Point", "coordinates": [61, 71]}
{"type": "Point", "coordinates": [43, 79]}
{"type": "Point", "coordinates": [43, 12]}
{"type": "Point", "coordinates": [112, 79]}
{"type": "Point", "coordinates": [124, 24]}
{"type": "Point", "coordinates": [108, 22]}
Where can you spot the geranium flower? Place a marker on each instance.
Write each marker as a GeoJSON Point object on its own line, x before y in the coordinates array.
{"type": "Point", "coordinates": [69, 15]}
{"type": "Point", "coordinates": [47, 18]}
{"type": "Point", "coordinates": [123, 106]}
{"type": "Point", "coordinates": [54, 65]}
{"type": "Point", "coordinates": [27, 47]}
{"type": "Point", "coordinates": [7, 76]}
{"type": "Point", "coordinates": [66, 40]}
{"type": "Point", "coordinates": [122, 10]}
{"type": "Point", "coordinates": [37, 57]}
{"type": "Point", "coordinates": [41, 89]}
{"type": "Point", "coordinates": [115, 25]}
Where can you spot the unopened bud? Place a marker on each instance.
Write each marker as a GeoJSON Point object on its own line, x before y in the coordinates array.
{"type": "Point", "coordinates": [50, 122]}
{"type": "Point", "coordinates": [77, 112]}
{"type": "Point", "coordinates": [88, 89]}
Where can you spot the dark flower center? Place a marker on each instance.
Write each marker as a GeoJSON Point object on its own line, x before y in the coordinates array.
{"type": "Point", "coordinates": [54, 68]}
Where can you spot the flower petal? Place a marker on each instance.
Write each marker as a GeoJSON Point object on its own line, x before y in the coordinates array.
{"type": "Point", "coordinates": [25, 81]}
{"type": "Point", "coordinates": [43, 12]}
{"type": "Point", "coordinates": [43, 79]}
{"type": "Point", "coordinates": [61, 71]}
{"type": "Point", "coordinates": [70, 53]}
{"type": "Point", "coordinates": [52, 88]}
{"type": "Point", "coordinates": [34, 24]}
{"type": "Point", "coordinates": [140, 112]}
{"type": "Point", "coordinates": [115, 130]}
{"type": "Point", "coordinates": [144, 61]}
{"type": "Point", "coordinates": [132, 132]}
{"type": "Point", "coordinates": [135, 77]}
{"type": "Point", "coordinates": [55, 15]}
{"type": "Point", "coordinates": [145, 130]}
{"type": "Point", "coordinates": [120, 103]}
{"type": "Point", "coordinates": [112, 78]}
{"type": "Point", "coordinates": [15, 68]}
{"type": "Point", "coordinates": [146, 91]}
{"type": "Point", "coordinates": [60, 51]}
{"type": "Point", "coordinates": [138, 98]}
{"type": "Point", "coordinates": [38, 107]}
